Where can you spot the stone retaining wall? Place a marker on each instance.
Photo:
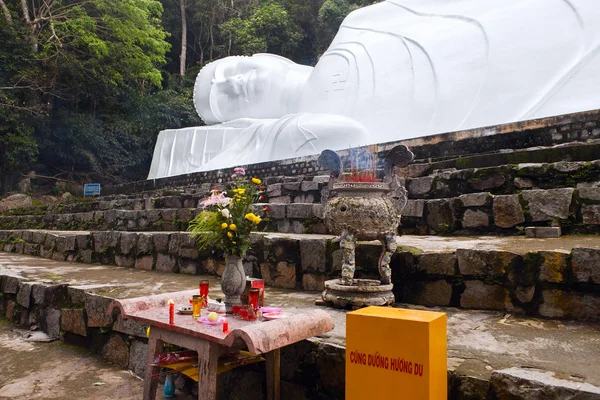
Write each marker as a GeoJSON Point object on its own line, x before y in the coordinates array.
{"type": "Point", "coordinates": [543, 283]}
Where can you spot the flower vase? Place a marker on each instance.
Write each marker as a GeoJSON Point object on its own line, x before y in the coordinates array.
{"type": "Point", "coordinates": [233, 281]}
{"type": "Point", "coordinates": [169, 388]}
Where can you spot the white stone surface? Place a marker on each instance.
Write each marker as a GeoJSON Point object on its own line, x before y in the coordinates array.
{"type": "Point", "coordinates": [397, 69]}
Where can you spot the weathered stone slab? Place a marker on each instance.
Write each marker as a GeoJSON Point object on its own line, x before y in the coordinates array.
{"type": "Point", "coordinates": [189, 267]}
{"type": "Point", "coordinates": [485, 262]}
{"type": "Point", "coordinates": [543, 232]}
{"type": "Point", "coordinates": [524, 293]}
{"type": "Point", "coordinates": [299, 210]}
{"type": "Point", "coordinates": [586, 265]}
{"type": "Point", "coordinates": [414, 208]}
{"type": "Point", "coordinates": [440, 214]}
{"type": "Point", "coordinates": [116, 351]}
{"type": "Point", "coordinates": [560, 304]}
{"type": "Point", "coordinates": [165, 263]}
{"type": "Point", "coordinates": [437, 263]}
{"type": "Point", "coordinates": [554, 266]}
{"type": "Point", "coordinates": [124, 261]}
{"type": "Point", "coordinates": [475, 219]}
{"type": "Point", "coordinates": [72, 320]}
{"type": "Point", "coordinates": [129, 327]}
{"type": "Point", "coordinates": [507, 211]}
{"type": "Point", "coordinates": [24, 294]}
{"type": "Point", "coordinates": [533, 384]}
{"type": "Point", "coordinates": [306, 186]}
{"type": "Point", "coordinates": [589, 193]}
{"type": "Point", "coordinates": [546, 205]}
{"type": "Point", "coordinates": [480, 296]}
{"type": "Point", "coordinates": [313, 282]}
{"type": "Point", "coordinates": [476, 199]}
{"type": "Point", "coordinates": [50, 321]}
{"type": "Point", "coordinates": [313, 254]}
{"type": "Point", "coordinates": [523, 183]}
{"type": "Point", "coordinates": [281, 274]}
{"type": "Point", "coordinates": [96, 308]}
{"type": "Point", "coordinates": [532, 169]}
{"type": "Point", "coordinates": [138, 357]}
{"type": "Point", "coordinates": [10, 284]}
{"type": "Point", "coordinates": [145, 263]}
{"type": "Point", "coordinates": [417, 187]}
{"type": "Point", "coordinates": [161, 242]}
{"type": "Point", "coordinates": [489, 182]}
{"type": "Point", "coordinates": [436, 293]}
{"type": "Point", "coordinates": [591, 214]}
{"type": "Point", "coordinates": [128, 242]}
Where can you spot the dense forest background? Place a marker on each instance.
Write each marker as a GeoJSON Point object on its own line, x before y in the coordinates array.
{"type": "Point", "coordinates": [86, 85]}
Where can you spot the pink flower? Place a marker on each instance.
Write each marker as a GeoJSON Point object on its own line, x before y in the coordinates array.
{"type": "Point", "coordinates": [239, 170]}
{"type": "Point", "coordinates": [216, 199]}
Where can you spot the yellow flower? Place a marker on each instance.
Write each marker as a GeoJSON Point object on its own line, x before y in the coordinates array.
{"type": "Point", "coordinates": [241, 191]}
{"type": "Point", "coordinates": [232, 227]}
{"type": "Point", "coordinates": [233, 243]}
{"type": "Point", "coordinates": [230, 235]}
{"type": "Point", "coordinates": [224, 225]}
{"type": "Point", "coordinates": [256, 180]}
{"type": "Point", "coordinates": [256, 220]}
{"type": "Point", "coordinates": [250, 216]}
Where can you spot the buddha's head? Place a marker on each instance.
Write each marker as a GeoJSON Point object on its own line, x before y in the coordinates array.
{"type": "Point", "coordinates": [245, 87]}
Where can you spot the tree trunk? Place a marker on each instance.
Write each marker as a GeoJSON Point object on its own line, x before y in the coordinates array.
{"type": "Point", "coordinates": [2, 169]}
{"type": "Point", "coordinates": [212, 37]}
{"type": "Point", "coordinates": [30, 24]}
{"type": "Point", "coordinates": [182, 57]}
{"type": "Point", "coordinates": [6, 11]}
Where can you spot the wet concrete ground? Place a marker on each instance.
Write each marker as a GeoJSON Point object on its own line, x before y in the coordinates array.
{"type": "Point", "coordinates": [478, 341]}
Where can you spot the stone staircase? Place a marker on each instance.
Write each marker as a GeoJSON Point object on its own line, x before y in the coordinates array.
{"type": "Point", "coordinates": [471, 205]}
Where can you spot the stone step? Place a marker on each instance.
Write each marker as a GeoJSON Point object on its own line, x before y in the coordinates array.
{"type": "Point", "coordinates": [557, 278]}
{"type": "Point", "coordinates": [487, 351]}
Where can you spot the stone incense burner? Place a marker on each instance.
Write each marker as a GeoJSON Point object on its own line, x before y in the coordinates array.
{"type": "Point", "coordinates": [363, 211]}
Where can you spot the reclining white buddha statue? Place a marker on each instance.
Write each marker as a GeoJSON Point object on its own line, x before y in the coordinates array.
{"type": "Point", "coordinates": [398, 69]}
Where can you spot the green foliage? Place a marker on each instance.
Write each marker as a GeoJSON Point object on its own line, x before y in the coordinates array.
{"type": "Point", "coordinates": [331, 15]}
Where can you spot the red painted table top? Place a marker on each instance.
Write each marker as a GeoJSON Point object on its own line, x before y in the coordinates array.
{"type": "Point", "coordinates": [259, 336]}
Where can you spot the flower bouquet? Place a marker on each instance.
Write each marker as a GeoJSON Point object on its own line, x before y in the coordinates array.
{"type": "Point", "coordinates": [226, 223]}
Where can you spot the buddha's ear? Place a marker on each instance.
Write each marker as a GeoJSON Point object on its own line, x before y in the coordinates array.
{"type": "Point", "coordinates": [330, 161]}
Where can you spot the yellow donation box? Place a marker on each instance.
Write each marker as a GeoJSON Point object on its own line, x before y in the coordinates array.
{"type": "Point", "coordinates": [393, 353]}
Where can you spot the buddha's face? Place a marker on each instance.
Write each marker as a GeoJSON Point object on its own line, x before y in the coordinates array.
{"type": "Point", "coordinates": [241, 87]}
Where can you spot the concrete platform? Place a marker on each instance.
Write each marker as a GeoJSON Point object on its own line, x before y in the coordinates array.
{"type": "Point", "coordinates": [481, 345]}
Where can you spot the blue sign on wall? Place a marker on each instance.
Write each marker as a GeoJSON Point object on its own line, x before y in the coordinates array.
{"type": "Point", "coordinates": [90, 189]}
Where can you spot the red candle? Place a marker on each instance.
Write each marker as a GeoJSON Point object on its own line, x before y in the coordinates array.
{"type": "Point", "coordinates": [171, 312]}
{"type": "Point", "coordinates": [225, 326]}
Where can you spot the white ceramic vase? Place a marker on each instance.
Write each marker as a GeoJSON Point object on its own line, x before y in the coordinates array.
{"type": "Point", "coordinates": [233, 281]}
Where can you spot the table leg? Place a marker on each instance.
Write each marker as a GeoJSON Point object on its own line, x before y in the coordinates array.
{"type": "Point", "coordinates": [155, 347]}
{"type": "Point", "coordinates": [272, 360]}
{"type": "Point", "coordinates": [208, 359]}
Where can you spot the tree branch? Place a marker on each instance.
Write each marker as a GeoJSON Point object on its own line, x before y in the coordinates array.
{"type": "Point", "coordinates": [6, 11]}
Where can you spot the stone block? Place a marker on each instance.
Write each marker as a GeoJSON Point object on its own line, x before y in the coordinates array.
{"type": "Point", "coordinates": [129, 327]}
{"type": "Point", "coordinates": [72, 320]}
{"type": "Point", "coordinates": [589, 193]}
{"type": "Point", "coordinates": [172, 202]}
{"type": "Point", "coordinates": [83, 241]}
{"type": "Point", "coordinates": [144, 244]}
{"type": "Point", "coordinates": [280, 200]}
{"type": "Point", "coordinates": [304, 198]}
{"type": "Point", "coordinates": [318, 211]}
{"type": "Point", "coordinates": [547, 205]}
{"type": "Point", "coordinates": [128, 242]}
{"type": "Point", "coordinates": [168, 215]}
{"type": "Point", "coordinates": [313, 282]}
{"type": "Point", "coordinates": [276, 211]}
{"type": "Point", "coordinates": [554, 266]}
{"type": "Point", "coordinates": [591, 214]}
{"type": "Point", "coordinates": [38, 293]}
{"type": "Point", "coordinates": [116, 351]}
{"type": "Point", "coordinates": [145, 263]}
{"type": "Point", "coordinates": [523, 183]}
{"type": "Point", "coordinates": [486, 262]}
{"type": "Point", "coordinates": [188, 253]}
{"type": "Point", "coordinates": [437, 263]}
{"type": "Point", "coordinates": [291, 186]}
{"type": "Point", "coordinates": [440, 214]}
{"type": "Point", "coordinates": [274, 190]}
{"type": "Point", "coordinates": [313, 254]}
{"type": "Point", "coordinates": [100, 240]}
{"type": "Point", "coordinates": [306, 186]}
{"type": "Point", "coordinates": [213, 266]}
{"type": "Point", "coordinates": [476, 199]}
{"type": "Point", "coordinates": [50, 321]}
{"type": "Point", "coordinates": [96, 308]}
{"type": "Point", "coordinates": [85, 256]}
{"type": "Point", "coordinates": [524, 293]}
{"type": "Point", "coordinates": [418, 187]}
{"type": "Point", "coordinates": [165, 263]}
{"type": "Point", "coordinates": [586, 265]}
{"type": "Point", "coordinates": [10, 284]}
{"type": "Point", "coordinates": [414, 208]}
{"type": "Point", "coordinates": [38, 237]}
{"type": "Point", "coordinates": [543, 232]}
{"type": "Point", "coordinates": [175, 242]}
{"type": "Point", "coordinates": [478, 295]}
{"type": "Point", "coordinates": [475, 219]}
{"type": "Point", "coordinates": [188, 267]}
{"type": "Point", "coordinates": [138, 357]}
{"type": "Point", "coordinates": [298, 210]}
{"type": "Point", "coordinates": [532, 169]}
{"type": "Point", "coordinates": [417, 170]}
{"type": "Point", "coordinates": [124, 261]}
{"type": "Point", "coordinates": [560, 304]}
{"type": "Point", "coordinates": [508, 211]}
{"type": "Point", "coordinates": [534, 384]}
{"type": "Point", "coordinates": [436, 293]}
{"type": "Point", "coordinates": [161, 242]}
{"type": "Point", "coordinates": [281, 274]}
{"type": "Point", "coordinates": [566, 166]}
{"type": "Point", "coordinates": [31, 249]}
{"type": "Point", "coordinates": [24, 294]}
{"type": "Point", "coordinates": [9, 313]}
{"type": "Point", "coordinates": [489, 182]}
